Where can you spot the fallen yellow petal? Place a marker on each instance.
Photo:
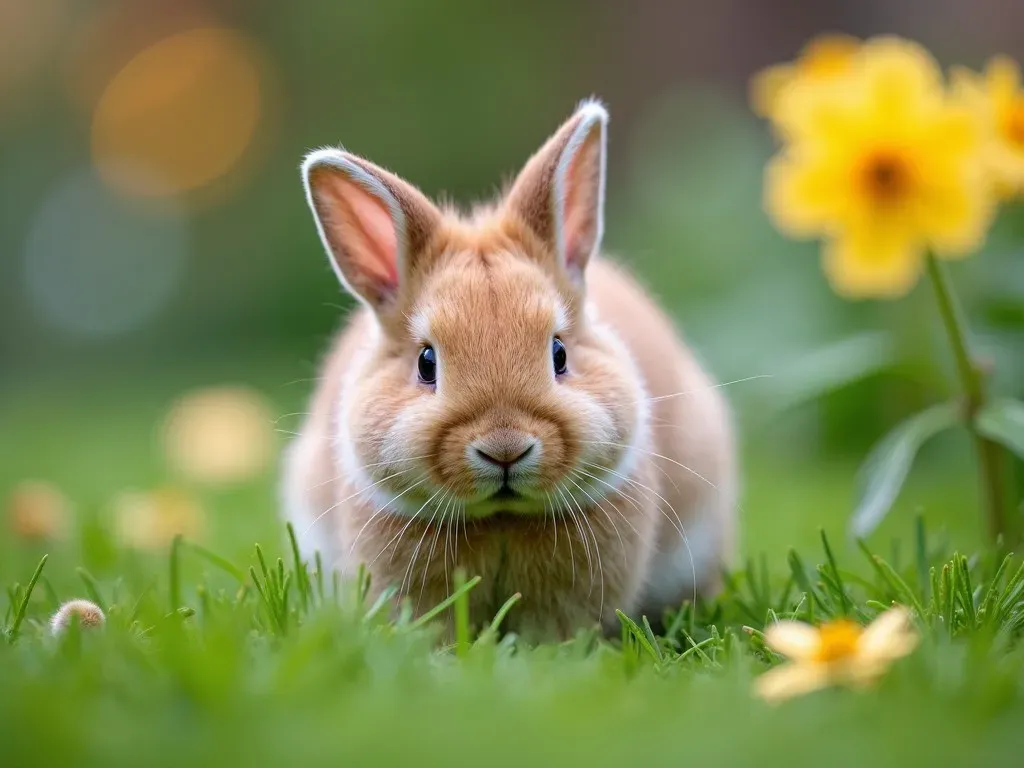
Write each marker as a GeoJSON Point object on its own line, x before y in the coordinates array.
{"type": "Point", "coordinates": [793, 639]}
{"type": "Point", "coordinates": [889, 637]}
{"type": "Point", "coordinates": [789, 680]}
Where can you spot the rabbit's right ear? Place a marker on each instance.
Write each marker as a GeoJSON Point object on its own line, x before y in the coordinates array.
{"type": "Point", "coordinates": [371, 222]}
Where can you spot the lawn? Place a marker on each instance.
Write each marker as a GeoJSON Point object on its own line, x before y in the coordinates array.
{"type": "Point", "coordinates": [199, 664]}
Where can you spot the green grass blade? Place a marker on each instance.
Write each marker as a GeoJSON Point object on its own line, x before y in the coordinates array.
{"type": "Point", "coordinates": [217, 561]}
{"type": "Point", "coordinates": [893, 580]}
{"type": "Point", "coordinates": [652, 638]}
{"type": "Point", "coordinates": [921, 548]}
{"type": "Point", "coordinates": [502, 613]}
{"type": "Point", "coordinates": [19, 616]}
{"type": "Point", "coordinates": [175, 573]}
{"type": "Point", "coordinates": [632, 628]}
{"type": "Point", "coordinates": [301, 572]}
{"type": "Point", "coordinates": [461, 611]}
{"type": "Point", "coordinates": [319, 575]}
{"type": "Point", "coordinates": [844, 601]}
{"type": "Point", "coordinates": [796, 566]}
{"type": "Point", "coordinates": [383, 599]}
{"type": "Point", "coordinates": [437, 609]}
{"type": "Point", "coordinates": [966, 591]}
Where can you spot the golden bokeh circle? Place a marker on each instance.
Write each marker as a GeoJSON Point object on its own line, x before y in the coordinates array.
{"type": "Point", "coordinates": [179, 115]}
{"type": "Point", "coordinates": [219, 435]}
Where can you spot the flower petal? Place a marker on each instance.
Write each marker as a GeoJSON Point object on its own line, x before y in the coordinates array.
{"type": "Point", "coordinates": [864, 673]}
{"type": "Point", "coordinates": [766, 86]}
{"type": "Point", "coordinates": [1003, 75]}
{"type": "Point", "coordinates": [789, 680]}
{"type": "Point", "coordinates": [889, 636]}
{"type": "Point", "coordinates": [902, 76]}
{"type": "Point", "coordinates": [793, 639]}
{"type": "Point", "coordinates": [805, 194]}
{"type": "Point", "coordinates": [879, 260]}
{"type": "Point", "coordinates": [954, 215]}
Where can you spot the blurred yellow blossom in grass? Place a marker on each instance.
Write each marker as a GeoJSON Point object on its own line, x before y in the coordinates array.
{"type": "Point", "coordinates": [219, 435]}
{"type": "Point", "coordinates": [823, 59]}
{"type": "Point", "coordinates": [840, 652]}
{"type": "Point", "coordinates": [38, 510]}
{"type": "Point", "coordinates": [150, 520]}
{"type": "Point", "coordinates": [997, 98]}
{"type": "Point", "coordinates": [883, 165]}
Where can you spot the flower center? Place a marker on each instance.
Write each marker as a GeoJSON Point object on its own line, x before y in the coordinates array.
{"type": "Point", "coordinates": [1013, 123]}
{"type": "Point", "coordinates": [886, 177]}
{"type": "Point", "coordinates": [838, 640]}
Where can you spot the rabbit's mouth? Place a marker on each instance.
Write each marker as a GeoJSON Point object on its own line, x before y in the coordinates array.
{"type": "Point", "coordinates": [506, 493]}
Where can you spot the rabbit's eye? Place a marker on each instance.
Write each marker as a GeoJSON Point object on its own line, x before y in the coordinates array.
{"type": "Point", "coordinates": [558, 356]}
{"type": "Point", "coordinates": [427, 365]}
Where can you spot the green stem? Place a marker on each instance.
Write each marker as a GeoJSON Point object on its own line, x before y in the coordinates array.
{"type": "Point", "coordinates": [973, 383]}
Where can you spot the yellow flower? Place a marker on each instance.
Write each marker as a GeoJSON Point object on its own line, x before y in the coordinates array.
{"type": "Point", "coordinates": [837, 653]}
{"type": "Point", "coordinates": [823, 59]}
{"type": "Point", "coordinates": [997, 98]}
{"type": "Point", "coordinates": [883, 166]}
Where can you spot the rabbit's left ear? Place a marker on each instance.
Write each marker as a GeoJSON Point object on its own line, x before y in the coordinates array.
{"type": "Point", "coordinates": [560, 191]}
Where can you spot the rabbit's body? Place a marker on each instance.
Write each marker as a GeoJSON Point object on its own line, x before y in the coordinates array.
{"type": "Point", "coordinates": [571, 482]}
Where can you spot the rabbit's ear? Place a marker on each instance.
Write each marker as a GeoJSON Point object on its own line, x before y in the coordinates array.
{"type": "Point", "coordinates": [560, 191]}
{"type": "Point", "coordinates": [370, 221]}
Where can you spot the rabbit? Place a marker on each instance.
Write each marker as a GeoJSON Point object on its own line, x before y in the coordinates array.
{"type": "Point", "coordinates": [506, 399]}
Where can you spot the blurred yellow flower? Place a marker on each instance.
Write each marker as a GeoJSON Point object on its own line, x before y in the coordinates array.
{"type": "Point", "coordinates": [883, 166]}
{"type": "Point", "coordinates": [822, 60]}
{"type": "Point", "coordinates": [150, 520]}
{"type": "Point", "coordinates": [38, 510]}
{"type": "Point", "coordinates": [219, 435]}
{"type": "Point", "coordinates": [840, 652]}
{"type": "Point", "coordinates": [997, 98]}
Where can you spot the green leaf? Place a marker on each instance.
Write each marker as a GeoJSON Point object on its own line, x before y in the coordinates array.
{"type": "Point", "coordinates": [884, 471]}
{"type": "Point", "coordinates": [832, 367]}
{"type": "Point", "coordinates": [1003, 422]}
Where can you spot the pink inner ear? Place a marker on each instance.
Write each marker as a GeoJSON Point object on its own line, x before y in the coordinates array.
{"type": "Point", "coordinates": [374, 226]}
{"type": "Point", "coordinates": [582, 191]}
{"type": "Point", "coordinates": [362, 235]}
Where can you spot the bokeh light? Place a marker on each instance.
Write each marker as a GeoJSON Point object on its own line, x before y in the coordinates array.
{"type": "Point", "coordinates": [96, 266]}
{"type": "Point", "coordinates": [219, 435]}
{"type": "Point", "coordinates": [37, 510]}
{"type": "Point", "coordinates": [179, 115]}
{"type": "Point", "coordinates": [150, 520]}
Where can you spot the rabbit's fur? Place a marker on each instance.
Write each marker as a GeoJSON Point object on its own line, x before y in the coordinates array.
{"type": "Point", "coordinates": [627, 449]}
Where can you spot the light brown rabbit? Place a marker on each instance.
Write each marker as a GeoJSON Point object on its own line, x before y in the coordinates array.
{"type": "Point", "coordinates": [505, 400]}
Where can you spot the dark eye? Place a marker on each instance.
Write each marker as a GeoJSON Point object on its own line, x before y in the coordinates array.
{"type": "Point", "coordinates": [558, 356]}
{"type": "Point", "coordinates": [427, 365]}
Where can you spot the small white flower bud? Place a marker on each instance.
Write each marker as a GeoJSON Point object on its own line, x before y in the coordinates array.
{"type": "Point", "coordinates": [88, 613]}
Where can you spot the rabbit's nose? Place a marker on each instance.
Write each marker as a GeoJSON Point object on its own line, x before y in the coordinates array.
{"type": "Point", "coordinates": [504, 449]}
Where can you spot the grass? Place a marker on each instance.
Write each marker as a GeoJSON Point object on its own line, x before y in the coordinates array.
{"type": "Point", "coordinates": [219, 652]}
{"type": "Point", "coordinates": [269, 668]}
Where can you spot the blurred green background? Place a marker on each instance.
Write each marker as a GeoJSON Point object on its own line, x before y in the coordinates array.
{"type": "Point", "coordinates": [154, 237]}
